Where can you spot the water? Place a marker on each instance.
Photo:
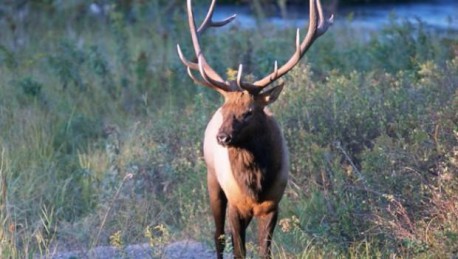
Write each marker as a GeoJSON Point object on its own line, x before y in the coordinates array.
{"type": "Point", "coordinates": [442, 15]}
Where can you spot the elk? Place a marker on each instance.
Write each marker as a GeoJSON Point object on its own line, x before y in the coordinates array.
{"type": "Point", "coordinates": [244, 148]}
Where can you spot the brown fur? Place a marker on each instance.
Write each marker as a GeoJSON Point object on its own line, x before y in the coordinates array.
{"type": "Point", "coordinates": [257, 158]}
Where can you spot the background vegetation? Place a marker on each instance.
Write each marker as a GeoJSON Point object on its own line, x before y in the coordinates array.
{"type": "Point", "coordinates": [101, 130]}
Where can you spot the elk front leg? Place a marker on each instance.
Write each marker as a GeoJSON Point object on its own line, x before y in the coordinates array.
{"type": "Point", "coordinates": [218, 204]}
{"type": "Point", "coordinates": [266, 226]}
{"type": "Point", "coordinates": [239, 223]}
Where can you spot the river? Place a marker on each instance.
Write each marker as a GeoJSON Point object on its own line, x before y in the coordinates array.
{"type": "Point", "coordinates": [440, 14]}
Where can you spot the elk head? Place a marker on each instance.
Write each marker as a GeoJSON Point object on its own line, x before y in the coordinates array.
{"type": "Point", "coordinates": [244, 116]}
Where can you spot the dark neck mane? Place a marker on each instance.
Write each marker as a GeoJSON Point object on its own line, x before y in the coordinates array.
{"type": "Point", "coordinates": [254, 165]}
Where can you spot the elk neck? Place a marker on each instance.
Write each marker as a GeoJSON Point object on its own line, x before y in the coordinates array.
{"type": "Point", "coordinates": [255, 162]}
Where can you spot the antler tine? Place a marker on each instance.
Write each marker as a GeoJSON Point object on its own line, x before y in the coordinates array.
{"type": "Point", "coordinates": [208, 21]}
{"type": "Point", "coordinates": [323, 25]}
{"type": "Point", "coordinates": [185, 61]}
{"type": "Point", "coordinates": [244, 85]}
{"type": "Point", "coordinates": [198, 66]}
{"type": "Point", "coordinates": [218, 84]}
{"type": "Point", "coordinates": [191, 75]}
{"type": "Point", "coordinates": [239, 76]}
{"type": "Point", "coordinates": [298, 41]}
{"type": "Point", "coordinates": [317, 27]}
{"type": "Point", "coordinates": [204, 83]}
{"type": "Point", "coordinates": [275, 73]}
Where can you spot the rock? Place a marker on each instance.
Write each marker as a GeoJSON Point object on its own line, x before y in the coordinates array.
{"type": "Point", "coordinates": [188, 249]}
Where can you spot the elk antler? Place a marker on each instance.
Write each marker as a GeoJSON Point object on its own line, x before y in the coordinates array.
{"type": "Point", "coordinates": [210, 77]}
{"type": "Point", "coordinates": [318, 25]}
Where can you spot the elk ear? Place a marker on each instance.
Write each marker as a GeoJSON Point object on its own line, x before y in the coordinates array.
{"type": "Point", "coordinates": [267, 97]}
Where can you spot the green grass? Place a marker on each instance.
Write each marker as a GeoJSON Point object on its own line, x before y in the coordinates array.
{"type": "Point", "coordinates": [101, 130]}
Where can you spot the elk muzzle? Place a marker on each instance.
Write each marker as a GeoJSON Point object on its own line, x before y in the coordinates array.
{"type": "Point", "coordinates": [231, 129]}
{"type": "Point", "coordinates": [224, 139]}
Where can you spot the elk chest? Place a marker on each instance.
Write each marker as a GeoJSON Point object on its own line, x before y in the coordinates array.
{"type": "Point", "coordinates": [252, 177]}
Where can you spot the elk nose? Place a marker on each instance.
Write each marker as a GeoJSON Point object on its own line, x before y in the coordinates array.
{"type": "Point", "coordinates": [224, 139]}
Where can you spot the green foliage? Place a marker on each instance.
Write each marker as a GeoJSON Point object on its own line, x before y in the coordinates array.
{"type": "Point", "coordinates": [101, 134]}
{"type": "Point", "coordinates": [30, 87]}
{"type": "Point", "coordinates": [67, 64]}
{"type": "Point", "coordinates": [7, 58]}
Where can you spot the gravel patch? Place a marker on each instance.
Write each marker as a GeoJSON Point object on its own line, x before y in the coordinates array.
{"type": "Point", "coordinates": [186, 249]}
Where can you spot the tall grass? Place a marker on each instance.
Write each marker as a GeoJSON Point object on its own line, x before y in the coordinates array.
{"type": "Point", "coordinates": [101, 135]}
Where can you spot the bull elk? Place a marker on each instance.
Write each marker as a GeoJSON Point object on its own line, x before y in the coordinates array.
{"type": "Point", "coordinates": [244, 149]}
